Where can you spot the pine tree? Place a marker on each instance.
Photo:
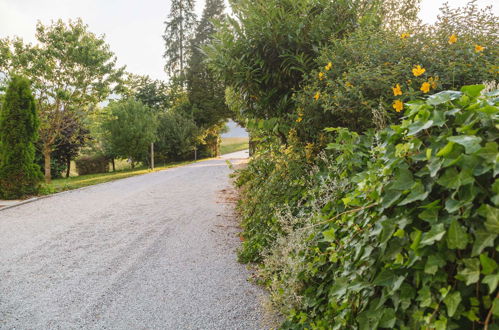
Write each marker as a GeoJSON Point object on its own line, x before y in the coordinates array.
{"type": "Point", "coordinates": [179, 30]}
{"type": "Point", "coordinates": [206, 93]}
{"type": "Point", "coordinates": [19, 175]}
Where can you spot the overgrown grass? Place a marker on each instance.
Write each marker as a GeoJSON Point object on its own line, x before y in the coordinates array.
{"type": "Point", "coordinates": [234, 144]}
{"type": "Point", "coordinates": [63, 184]}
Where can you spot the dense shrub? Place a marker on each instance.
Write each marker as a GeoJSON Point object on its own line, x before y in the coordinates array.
{"type": "Point", "coordinates": [92, 164]}
{"type": "Point", "coordinates": [397, 229]}
{"type": "Point", "coordinates": [355, 76]}
{"type": "Point", "coordinates": [19, 175]}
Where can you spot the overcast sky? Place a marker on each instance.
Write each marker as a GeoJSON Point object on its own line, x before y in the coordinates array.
{"type": "Point", "coordinates": [133, 28]}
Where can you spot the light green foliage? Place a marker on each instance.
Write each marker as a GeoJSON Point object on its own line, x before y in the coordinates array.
{"type": "Point", "coordinates": [129, 129]}
{"type": "Point", "coordinates": [177, 136]}
{"type": "Point", "coordinates": [71, 69]}
{"type": "Point", "coordinates": [19, 175]}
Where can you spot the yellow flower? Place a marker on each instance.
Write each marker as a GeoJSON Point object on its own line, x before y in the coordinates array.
{"type": "Point", "coordinates": [299, 119]}
{"type": "Point", "coordinates": [329, 66]}
{"type": "Point", "coordinates": [425, 87]}
{"type": "Point", "coordinates": [398, 105]}
{"type": "Point", "coordinates": [348, 84]}
{"type": "Point", "coordinates": [397, 90]}
{"type": "Point", "coordinates": [404, 35]}
{"type": "Point", "coordinates": [321, 75]}
{"type": "Point", "coordinates": [317, 95]}
{"type": "Point", "coordinates": [418, 70]}
{"type": "Point", "coordinates": [452, 39]}
{"type": "Point", "coordinates": [479, 48]}
{"type": "Point", "coordinates": [433, 82]}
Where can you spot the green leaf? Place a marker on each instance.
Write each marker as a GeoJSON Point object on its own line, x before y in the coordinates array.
{"type": "Point", "coordinates": [430, 215]}
{"type": "Point", "coordinates": [489, 152]}
{"type": "Point", "coordinates": [388, 318]}
{"type": "Point", "coordinates": [443, 97]}
{"type": "Point", "coordinates": [470, 143]}
{"type": "Point", "coordinates": [329, 235]}
{"type": "Point", "coordinates": [417, 193]}
{"type": "Point", "coordinates": [435, 165]}
{"type": "Point", "coordinates": [471, 272]}
{"type": "Point", "coordinates": [457, 238]}
{"type": "Point", "coordinates": [385, 278]}
{"type": "Point", "coordinates": [452, 179]}
{"type": "Point", "coordinates": [452, 301]}
{"type": "Point", "coordinates": [483, 239]}
{"type": "Point", "coordinates": [435, 234]}
{"type": "Point", "coordinates": [495, 307]}
{"type": "Point", "coordinates": [445, 150]}
{"type": "Point", "coordinates": [488, 264]}
{"type": "Point", "coordinates": [492, 222]}
{"type": "Point", "coordinates": [472, 90]}
{"type": "Point", "coordinates": [403, 179]}
{"type": "Point", "coordinates": [390, 197]}
{"type": "Point", "coordinates": [433, 264]}
{"type": "Point", "coordinates": [491, 281]}
{"type": "Point", "coordinates": [418, 126]}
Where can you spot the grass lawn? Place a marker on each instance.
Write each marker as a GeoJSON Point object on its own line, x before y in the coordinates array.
{"type": "Point", "coordinates": [233, 144]}
{"type": "Point", "coordinates": [76, 182]}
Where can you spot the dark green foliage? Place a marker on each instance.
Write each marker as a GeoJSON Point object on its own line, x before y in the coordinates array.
{"type": "Point", "coordinates": [93, 164]}
{"type": "Point", "coordinates": [176, 137]}
{"type": "Point", "coordinates": [19, 175]}
{"type": "Point", "coordinates": [393, 230]}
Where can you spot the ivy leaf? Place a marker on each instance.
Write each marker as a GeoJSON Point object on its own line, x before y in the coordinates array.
{"type": "Point", "coordinates": [470, 143]}
{"type": "Point", "coordinates": [488, 264]}
{"type": "Point", "coordinates": [418, 126]}
{"type": "Point", "coordinates": [445, 150]}
{"type": "Point", "coordinates": [329, 235]}
{"type": "Point", "coordinates": [471, 272]}
{"type": "Point", "coordinates": [452, 301]}
{"type": "Point", "coordinates": [390, 197]}
{"type": "Point", "coordinates": [435, 234]}
{"type": "Point", "coordinates": [495, 307]}
{"type": "Point", "coordinates": [388, 319]}
{"type": "Point", "coordinates": [491, 281]}
{"type": "Point", "coordinates": [492, 222]}
{"type": "Point", "coordinates": [489, 152]}
{"type": "Point", "coordinates": [483, 239]}
{"type": "Point", "coordinates": [403, 179]}
{"type": "Point", "coordinates": [433, 264]}
{"type": "Point", "coordinates": [417, 193]}
{"type": "Point", "coordinates": [443, 97]}
{"type": "Point", "coordinates": [457, 238]}
{"type": "Point", "coordinates": [452, 179]}
{"type": "Point", "coordinates": [385, 278]}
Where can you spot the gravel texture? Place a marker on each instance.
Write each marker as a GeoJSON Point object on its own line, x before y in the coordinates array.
{"type": "Point", "coordinates": [155, 251]}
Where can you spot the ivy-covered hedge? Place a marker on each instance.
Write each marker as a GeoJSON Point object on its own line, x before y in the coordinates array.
{"type": "Point", "coordinates": [408, 238]}
{"type": "Point", "coordinates": [92, 164]}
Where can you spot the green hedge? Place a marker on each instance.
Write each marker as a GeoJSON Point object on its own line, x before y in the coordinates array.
{"type": "Point", "coordinates": [393, 230]}
{"type": "Point", "coordinates": [93, 164]}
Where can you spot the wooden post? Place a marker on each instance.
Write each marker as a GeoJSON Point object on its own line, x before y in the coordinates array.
{"type": "Point", "coordinates": [152, 156]}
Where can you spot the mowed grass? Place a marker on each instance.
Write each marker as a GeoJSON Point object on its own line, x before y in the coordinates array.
{"type": "Point", "coordinates": [75, 182]}
{"type": "Point", "coordinates": [233, 144]}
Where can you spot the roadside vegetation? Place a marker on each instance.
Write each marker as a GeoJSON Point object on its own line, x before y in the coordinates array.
{"type": "Point", "coordinates": [372, 198]}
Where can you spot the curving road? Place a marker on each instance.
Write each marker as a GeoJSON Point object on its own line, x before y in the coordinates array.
{"type": "Point", "coordinates": [155, 251]}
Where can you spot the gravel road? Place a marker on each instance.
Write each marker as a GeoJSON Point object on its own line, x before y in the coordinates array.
{"type": "Point", "coordinates": [155, 251]}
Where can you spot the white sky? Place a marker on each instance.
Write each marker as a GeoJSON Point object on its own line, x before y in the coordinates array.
{"type": "Point", "coordinates": [132, 28]}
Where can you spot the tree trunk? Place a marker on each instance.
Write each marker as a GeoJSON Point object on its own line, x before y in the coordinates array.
{"type": "Point", "coordinates": [112, 163]}
{"type": "Point", "coordinates": [46, 154]}
{"type": "Point", "coordinates": [68, 170]}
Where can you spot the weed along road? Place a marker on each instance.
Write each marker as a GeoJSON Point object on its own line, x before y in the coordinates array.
{"type": "Point", "coordinates": [155, 251]}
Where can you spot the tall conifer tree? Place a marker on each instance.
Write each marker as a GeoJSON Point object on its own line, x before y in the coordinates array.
{"type": "Point", "coordinates": [19, 175]}
{"type": "Point", "coordinates": [206, 93]}
{"type": "Point", "coordinates": [179, 30]}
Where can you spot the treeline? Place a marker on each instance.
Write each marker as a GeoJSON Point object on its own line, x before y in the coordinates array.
{"type": "Point", "coordinates": [372, 199]}
{"type": "Point", "coordinates": [92, 111]}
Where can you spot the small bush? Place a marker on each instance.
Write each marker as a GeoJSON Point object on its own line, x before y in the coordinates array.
{"type": "Point", "coordinates": [92, 164]}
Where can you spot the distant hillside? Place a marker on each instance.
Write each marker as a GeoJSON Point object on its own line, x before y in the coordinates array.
{"type": "Point", "coordinates": [235, 131]}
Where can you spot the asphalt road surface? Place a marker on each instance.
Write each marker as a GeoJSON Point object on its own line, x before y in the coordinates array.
{"type": "Point", "coordinates": [155, 251]}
